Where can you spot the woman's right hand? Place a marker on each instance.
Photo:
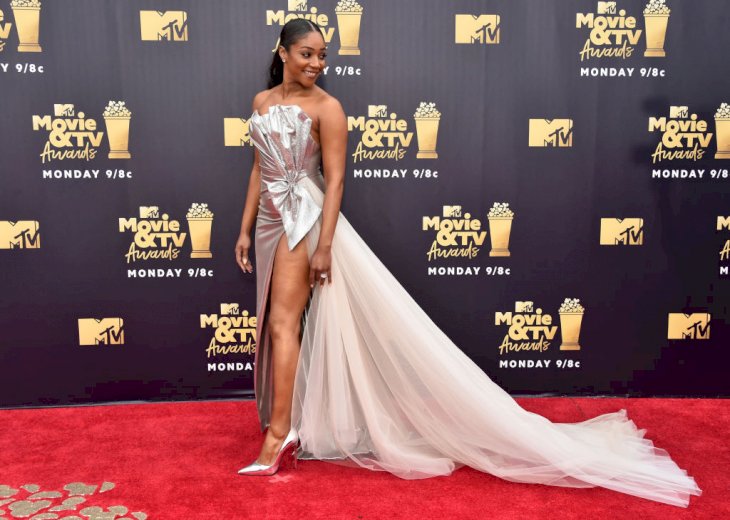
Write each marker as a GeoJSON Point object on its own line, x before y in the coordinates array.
{"type": "Point", "coordinates": [242, 247]}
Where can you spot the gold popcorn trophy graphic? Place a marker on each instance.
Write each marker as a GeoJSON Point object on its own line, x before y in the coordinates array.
{"type": "Point", "coordinates": [427, 128]}
{"type": "Point", "coordinates": [27, 21]}
{"type": "Point", "coordinates": [571, 316]}
{"type": "Point", "coordinates": [116, 117]}
{"type": "Point", "coordinates": [500, 225]}
{"type": "Point", "coordinates": [656, 18]}
{"type": "Point", "coordinates": [200, 223]}
{"type": "Point", "coordinates": [349, 14]}
{"type": "Point", "coordinates": [722, 131]}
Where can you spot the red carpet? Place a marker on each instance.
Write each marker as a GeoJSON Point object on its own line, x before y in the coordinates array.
{"type": "Point", "coordinates": [179, 461]}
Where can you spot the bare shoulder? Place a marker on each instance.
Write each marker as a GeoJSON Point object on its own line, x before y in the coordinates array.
{"type": "Point", "coordinates": [259, 98]}
{"type": "Point", "coordinates": [329, 108]}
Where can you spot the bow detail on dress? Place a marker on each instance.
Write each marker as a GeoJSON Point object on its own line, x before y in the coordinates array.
{"type": "Point", "coordinates": [296, 206]}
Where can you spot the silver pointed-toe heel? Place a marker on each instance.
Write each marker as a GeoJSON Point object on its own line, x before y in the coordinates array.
{"type": "Point", "coordinates": [288, 446]}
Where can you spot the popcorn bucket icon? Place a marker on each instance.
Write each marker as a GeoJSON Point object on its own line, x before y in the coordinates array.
{"type": "Point", "coordinates": [27, 21]}
{"type": "Point", "coordinates": [427, 129]}
{"type": "Point", "coordinates": [722, 132]}
{"type": "Point", "coordinates": [348, 25]}
{"type": "Point", "coordinates": [117, 132]}
{"type": "Point", "coordinates": [656, 31]}
{"type": "Point", "coordinates": [570, 330]}
{"type": "Point", "coordinates": [499, 231]}
{"type": "Point", "coordinates": [200, 231]}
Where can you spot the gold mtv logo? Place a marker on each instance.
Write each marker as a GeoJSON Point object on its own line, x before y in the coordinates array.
{"type": "Point", "coordinates": [452, 211]}
{"type": "Point", "coordinates": [689, 326]}
{"type": "Point", "coordinates": [678, 112]}
{"type": "Point", "coordinates": [377, 110]}
{"type": "Point", "coordinates": [22, 234]}
{"type": "Point", "coordinates": [230, 309]}
{"type": "Point", "coordinates": [104, 331]}
{"type": "Point", "coordinates": [63, 110]}
{"type": "Point", "coordinates": [236, 131]}
{"type": "Point", "coordinates": [296, 5]}
{"type": "Point", "coordinates": [471, 28]}
{"type": "Point", "coordinates": [723, 223]}
{"type": "Point", "coordinates": [551, 132]}
{"type": "Point", "coordinates": [622, 231]}
{"type": "Point", "coordinates": [524, 307]}
{"type": "Point", "coordinates": [149, 212]}
{"type": "Point", "coordinates": [164, 25]}
{"type": "Point", "coordinates": [606, 8]}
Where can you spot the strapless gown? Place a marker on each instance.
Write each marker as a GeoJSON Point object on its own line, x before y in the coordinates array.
{"type": "Point", "coordinates": [378, 385]}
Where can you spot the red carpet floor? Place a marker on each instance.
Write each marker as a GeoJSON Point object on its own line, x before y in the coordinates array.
{"type": "Point", "coordinates": [179, 461]}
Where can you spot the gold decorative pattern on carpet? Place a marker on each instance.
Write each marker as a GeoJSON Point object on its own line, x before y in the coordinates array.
{"type": "Point", "coordinates": [32, 503]}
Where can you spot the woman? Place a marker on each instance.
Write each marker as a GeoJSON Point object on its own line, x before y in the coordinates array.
{"type": "Point", "coordinates": [349, 369]}
{"type": "Point", "coordinates": [288, 273]}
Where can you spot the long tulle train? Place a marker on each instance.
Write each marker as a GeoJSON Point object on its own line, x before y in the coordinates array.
{"type": "Point", "coordinates": [380, 386]}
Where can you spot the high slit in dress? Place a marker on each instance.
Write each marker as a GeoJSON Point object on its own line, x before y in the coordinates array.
{"type": "Point", "coordinates": [379, 386]}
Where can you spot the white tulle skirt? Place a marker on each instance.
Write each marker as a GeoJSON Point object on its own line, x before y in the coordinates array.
{"type": "Point", "coordinates": [380, 386]}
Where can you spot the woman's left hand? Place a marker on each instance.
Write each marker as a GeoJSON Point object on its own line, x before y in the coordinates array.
{"type": "Point", "coordinates": [320, 264]}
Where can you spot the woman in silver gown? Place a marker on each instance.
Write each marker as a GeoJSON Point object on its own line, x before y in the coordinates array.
{"type": "Point", "coordinates": [349, 369]}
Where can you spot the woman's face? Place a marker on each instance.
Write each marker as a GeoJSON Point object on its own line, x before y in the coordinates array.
{"type": "Point", "coordinates": [305, 60]}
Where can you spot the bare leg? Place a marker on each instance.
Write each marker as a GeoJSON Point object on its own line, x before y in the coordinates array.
{"type": "Point", "coordinates": [289, 294]}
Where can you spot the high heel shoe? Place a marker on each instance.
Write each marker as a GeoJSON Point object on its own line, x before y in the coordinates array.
{"type": "Point", "coordinates": [289, 445]}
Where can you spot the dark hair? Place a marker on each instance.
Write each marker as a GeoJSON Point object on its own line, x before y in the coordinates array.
{"type": "Point", "coordinates": [291, 32]}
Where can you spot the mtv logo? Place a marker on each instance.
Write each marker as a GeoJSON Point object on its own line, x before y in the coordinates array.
{"type": "Point", "coordinates": [149, 212]}
{"type": "Point", "coordinates": [63, 110]}
{"type": "Point", "coordinates": [471, 28]}
{"type": "Point", "coordinates": [296, 5]}
{"type": "Point", "coordinates": [551, 132]}
{"type": "Point", "coordinates": [622, 231]}
{"type": "Point", "coordinates": [230, 309]}
{"type": "Point", "coordinates": [236, 131]}
{"type": "Point", "coordinates": [377, 110]}
{"type": "Point", "coordinates": [680, 112]}
{"type": "Point", "coordinates": [606, 8]}
{"type": "Point", "coordinates": [723, 223]}
{"type": "Point", "coordinates": [104, 331]}
{"type": "Point", "coordinates": [524, 307]}
{"type": "Point", "coordinates": [688, 326]}
{"type": "Point", "coordinates": [452, 211]}
{"type": "Point", "coordinates": [22, 234]}
{"type": "Point", "coordinates": [164, 25]}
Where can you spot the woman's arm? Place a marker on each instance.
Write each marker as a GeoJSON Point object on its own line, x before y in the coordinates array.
{"type": "Point", "coordinates": [251, 207]}
{"type": "Point", "coordinates": [333, 140]}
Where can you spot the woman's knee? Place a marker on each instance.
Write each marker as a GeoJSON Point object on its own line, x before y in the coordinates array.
{"type": "Point", "coordinates": [283, 326]}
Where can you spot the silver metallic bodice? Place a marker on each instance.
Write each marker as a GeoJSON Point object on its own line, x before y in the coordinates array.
{"type": "Point", "coordinates": [288, 154]}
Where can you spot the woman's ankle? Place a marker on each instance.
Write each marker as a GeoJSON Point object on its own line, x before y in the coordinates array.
{"type": "Point", "coordinates": [277, 432]}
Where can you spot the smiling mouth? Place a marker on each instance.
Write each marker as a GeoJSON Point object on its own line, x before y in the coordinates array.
{"type": "Point", "coordinates": [310, 73]}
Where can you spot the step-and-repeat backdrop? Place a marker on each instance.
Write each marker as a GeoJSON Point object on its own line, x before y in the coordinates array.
{"type": "Point", "coordinates": [549, 180]}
